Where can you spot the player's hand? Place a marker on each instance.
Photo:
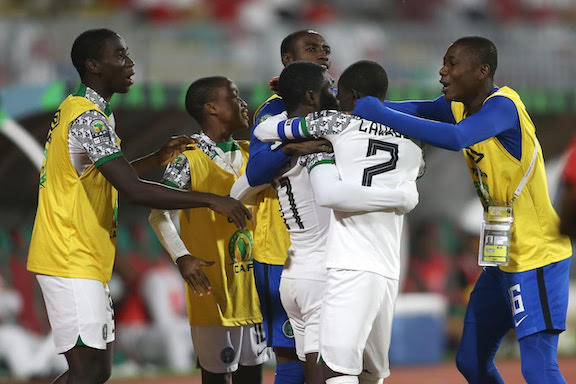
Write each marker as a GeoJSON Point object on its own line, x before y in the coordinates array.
{"type": "Point", "coordinates": [174, 147]}
{"type": "Point", "coordinates": [191, 270]}
{"type": "Point", "coordinates": [273, 84]}
{"type": "Point", "coordinates": [236, 212]}
{"type": "Point", "coordinates": [306, 147]}
{"type": "Point", "coordinates": [409, 193]}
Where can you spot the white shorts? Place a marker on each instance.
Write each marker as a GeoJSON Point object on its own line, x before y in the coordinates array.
{"type": "Point", "coordinates": [356, 322]}
{"type": "Point", "coordinates": [302, 300]}
{"type": "Point", "coordinates": [221, 349]}
{"type": "Point", "coordinates": [78, 308]}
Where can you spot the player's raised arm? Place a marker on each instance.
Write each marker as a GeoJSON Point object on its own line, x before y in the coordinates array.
{"type": "Point", "coordinates": [497, 116]}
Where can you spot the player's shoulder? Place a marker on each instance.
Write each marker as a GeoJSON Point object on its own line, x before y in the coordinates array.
{"type": "Point", "coordinates": [273, 106]}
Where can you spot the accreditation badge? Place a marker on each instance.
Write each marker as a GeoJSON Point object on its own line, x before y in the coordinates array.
{"type": "Point", "coordinates": [495, 236]}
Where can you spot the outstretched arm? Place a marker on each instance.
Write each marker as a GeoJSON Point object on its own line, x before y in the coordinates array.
{"type": "Point", "coordinates": [125, 179]}
{"type": "Point", "coordinates": [438, 109]}
{"type": "Point", "coordinates": [332, 192]}
{"type": "Point", "coordinates": [169, 151]}
{"type": "Point", "coordinates": [497, 115]}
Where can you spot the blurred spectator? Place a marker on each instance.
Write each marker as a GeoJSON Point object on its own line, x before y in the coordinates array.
{"type": "Point", "coordinates": [25, 353]}
{"type": "Point", "coordinates": [151, 318]}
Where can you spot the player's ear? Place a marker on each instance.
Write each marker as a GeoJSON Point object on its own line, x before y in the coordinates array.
{"type": "Point", "coordinates": [311, 98]}
{"type": "Point", "coordinates": [484, 71]}
{"type": "Point", "coordinates": [355, 95]}
{"type": "Point", "coordinates": [210, 109]}
{"type": "Point", "coordinates": [92, 66]}
{"type": "Point", "coordinates": [287, 58]}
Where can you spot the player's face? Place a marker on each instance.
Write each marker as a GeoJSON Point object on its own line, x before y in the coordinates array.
{"type": "Point", "coordinates": [310, 47]}
{"type": "Point", "coordinates": [328, 98]}
{"type": "Point", "coordinates": [460, 74]}
{"type": "Point", "coordinates": [232, 110]}
{"type": "Point", "coordinates": [116, 66]}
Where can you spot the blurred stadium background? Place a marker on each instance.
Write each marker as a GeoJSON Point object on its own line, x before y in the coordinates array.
{"type": "Point", "coordinates": [177, 41]}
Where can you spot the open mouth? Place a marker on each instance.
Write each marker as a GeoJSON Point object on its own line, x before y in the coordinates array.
{"type": "Point", "coordinates": [245, 115]}
{"type": "Point", "coordinates": [129, 78]}
{"type": "Point", "coordinates": [444, 86]}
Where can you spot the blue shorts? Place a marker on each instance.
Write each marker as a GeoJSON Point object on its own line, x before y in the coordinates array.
{"type": "Point", "coordinates": [531, 301]}
{"type": "Point", "coordinates": [276, 324]}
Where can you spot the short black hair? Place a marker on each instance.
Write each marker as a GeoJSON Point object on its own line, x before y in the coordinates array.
{"type": "Point", "coordinates": [367, 77]}
{"type": "Point", "coordinates": [88, 45]}
{"type": "Point", "coordinates": [200, 92]}
{"type": "Point", "coordinates": [298, 78]}
{"type": "Point", "coordinates": [483, 49]}
{"type": "Point", "coordinates": [287, 45]}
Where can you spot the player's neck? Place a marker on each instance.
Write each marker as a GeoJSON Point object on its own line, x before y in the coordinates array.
{"type": "Point", "coordinates": [475, 104]}
{"type": "Point", "coordinates": [301, 111]}
{"type": "Point", "coordinates": [100, 89]}
{"type": "Point", "coordinates": [217, 135]}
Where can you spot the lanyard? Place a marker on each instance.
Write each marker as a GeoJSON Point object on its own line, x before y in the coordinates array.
{"type": "Point", "coordinates": [522, 183]}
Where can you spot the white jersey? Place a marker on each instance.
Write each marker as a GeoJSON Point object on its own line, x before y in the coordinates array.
{"type": "Point", "coordinates": [367, 154]}
{"type": "Point", "coordinates": [306, 222]}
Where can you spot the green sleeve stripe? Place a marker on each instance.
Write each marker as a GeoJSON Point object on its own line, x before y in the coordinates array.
{"type": "Point", "coordinates": [326, 161]}
{"type": "Point", "coordinates": [108, 158]}
{"type": "Point", "coordinates": [304, 127]}
{"type": "Point", "coordinates": [170, 184]}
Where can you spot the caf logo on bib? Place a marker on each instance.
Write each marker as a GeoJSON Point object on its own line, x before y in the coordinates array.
{"type": "Point", "coordinates": [240, 250]}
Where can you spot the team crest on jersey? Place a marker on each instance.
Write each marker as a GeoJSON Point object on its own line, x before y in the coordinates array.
{"type": "Point", "coordinates": [287, 329]}
{"type": "Point", "coordinates": [263, 118]}
{"type": "Point", "coordinates": [240, 250]}
{"type": "Point", "coordinates": [227, 355]}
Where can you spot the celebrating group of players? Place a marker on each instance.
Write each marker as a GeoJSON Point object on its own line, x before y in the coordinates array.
{"type": "Point", "coordinates": [329, 175]}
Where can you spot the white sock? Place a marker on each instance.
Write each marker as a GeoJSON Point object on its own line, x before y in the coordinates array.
{"type": "Point", "coordinates": [343, 380]}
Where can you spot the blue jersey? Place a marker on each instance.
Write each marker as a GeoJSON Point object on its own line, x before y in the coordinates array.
{"type": "Point", "coordinates": [265, 163]}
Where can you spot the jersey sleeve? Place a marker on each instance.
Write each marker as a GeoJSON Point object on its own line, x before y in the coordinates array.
{"type": "Point", "coordinates": [438, 109]}
{"type": "Point", "coordinates": [177, 173]}
{"type": "Point", "coordinates": [162, 224]}
{"type": "Point", "coordinates": [95, 134]}
{"type": "Point", "coordinates": [497, 115]}
{"type": "Point", "coordinates": [264, 162]}
{"type": "Point", "coordinates": [332, 192]}
{"type": "Point", "coordinates": [314, 159]}
{"type": "Point", "coordinates": [315, 125]}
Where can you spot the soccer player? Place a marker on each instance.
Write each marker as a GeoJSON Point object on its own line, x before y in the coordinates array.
{"type": "Point", "coordinates": [567, 210]}
{"type": "Point", "coordinates": [363, 248]}
{"type": "Point", "coordinates": [74, 237]}
{"type": "Point", "coordinates": [306, 87]}
{"type": "Point", "coordinates": [271, 240]}
{"type": "Point", "coordinates": [213, 256]}
{"type": "Point", "coordinates": [490, 124]}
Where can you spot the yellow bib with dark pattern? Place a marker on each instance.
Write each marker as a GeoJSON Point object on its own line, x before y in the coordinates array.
{"type": "Point", "coordinates": [271, 239]}
{"type": "Point", "coordinates": [535, 240]}
{"type": "Point", "coordinates": [75, 227]}
{"type": "Point", "coordinates": [209, 236]}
